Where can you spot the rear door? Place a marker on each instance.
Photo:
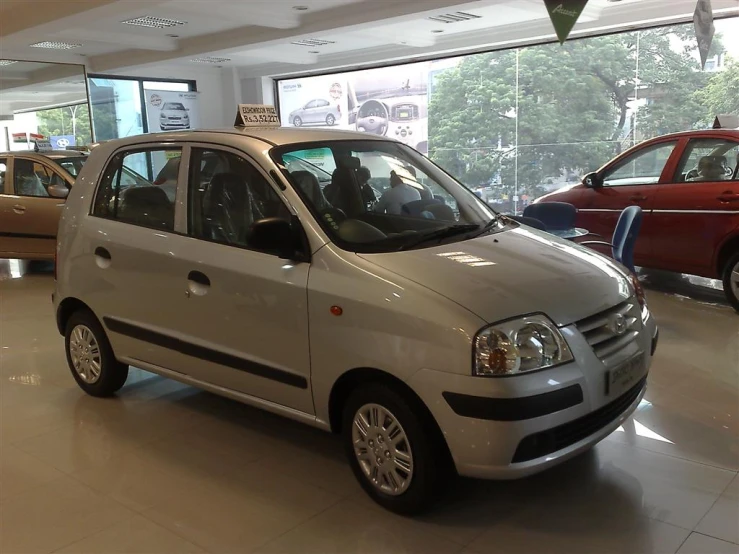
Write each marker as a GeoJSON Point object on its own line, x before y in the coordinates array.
{"type": "Point", "coordinates": [631, 180]}
{"type": "Point", "coordinates": [30, 216]}
{"type": "Point", "coordinates": [698, 207]}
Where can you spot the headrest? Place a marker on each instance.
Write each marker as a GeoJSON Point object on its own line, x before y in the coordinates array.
{"type": "Point", "coordinates": [148, 195]}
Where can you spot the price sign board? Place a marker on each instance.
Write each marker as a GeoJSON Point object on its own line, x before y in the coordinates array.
{"type": "Point", "coordinates": [256, 115]}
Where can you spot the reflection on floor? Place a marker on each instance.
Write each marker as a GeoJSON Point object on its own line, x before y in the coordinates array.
{"type": "Point", "coordinates": [167, 468]}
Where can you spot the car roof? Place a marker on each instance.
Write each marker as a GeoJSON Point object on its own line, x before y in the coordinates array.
{"type": "Point", "coordinates": [702, 132]}
{"type": "Point", "coordinates": [278, 136]}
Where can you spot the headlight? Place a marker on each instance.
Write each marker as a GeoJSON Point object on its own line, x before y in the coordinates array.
{"type": "Point", "coordinates": [519, 345]}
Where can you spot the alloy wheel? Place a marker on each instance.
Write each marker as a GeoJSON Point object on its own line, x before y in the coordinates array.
{"type": "Point", "coordinates": [84, 351]}
{"type": "Point", "coordinates": [734, 280]}
{"type": "Point", "coordinates": [382, 449]}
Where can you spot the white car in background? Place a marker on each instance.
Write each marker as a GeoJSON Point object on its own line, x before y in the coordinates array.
{"type": "Point", "coordinates": [174, 115]}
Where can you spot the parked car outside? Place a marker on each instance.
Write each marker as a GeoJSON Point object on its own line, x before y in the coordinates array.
{"type": "Point", "coordinates": [33, 187]}
{"type": "Point", "coordinates": [460, 341]}
{"type": "Point", "coordinates": [316, 112]}
{"type": "Point", "coordinates": [688, 188]}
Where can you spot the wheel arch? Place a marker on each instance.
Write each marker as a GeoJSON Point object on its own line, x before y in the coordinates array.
{"type": "Point", "coordinates": [727, 249]}
{"type": "Point", "coordinates": [66, 308]}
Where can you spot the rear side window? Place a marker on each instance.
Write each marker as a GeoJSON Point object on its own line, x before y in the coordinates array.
{"type": "Point", "coordinates": [139, 187]}
{"type": "Point", "coordinates": [31, 178]}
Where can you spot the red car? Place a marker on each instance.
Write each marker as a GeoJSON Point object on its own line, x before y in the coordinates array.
{"type": "Point", "coordinates": [688, 186]}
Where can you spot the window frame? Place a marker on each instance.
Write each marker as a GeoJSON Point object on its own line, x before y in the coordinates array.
{"type": "Point", "coordinates": [136, 149]}
{"type": "Point", "coordinates": [271, 181]}
{"type": "Point", "coordinates": [637, 152]}
{"type": "Point", "coordinates": [688, 150]}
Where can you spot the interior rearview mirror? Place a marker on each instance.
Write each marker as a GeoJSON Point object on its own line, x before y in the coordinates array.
{"type": "Point", "coordinates": [58, 191]}
{"type": "Point", "coordinates": [276, 235]}
{"type": "Point", "coordinates": [592, 180]}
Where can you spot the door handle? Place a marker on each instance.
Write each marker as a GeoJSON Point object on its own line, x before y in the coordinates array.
{"type": "Point", "coordinates": [638, 198]}
{"type": "Point", "coordinates": [197, 283]}
{"type": "Point", "coordinates": [19, 209]}
{"type": "Point", "coordinates": [728, 196]}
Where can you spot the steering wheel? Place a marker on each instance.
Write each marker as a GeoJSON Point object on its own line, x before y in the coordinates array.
{"type": "Point", "coordinates": [373, 118]}
{"type": "Point", "coordinates": [692, 174]}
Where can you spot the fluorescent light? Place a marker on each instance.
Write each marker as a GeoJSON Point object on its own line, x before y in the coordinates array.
{"type": "Point", "coordinates": [153, 22]}
{"type": "Point", "coordinates": [55, 45]}
{"type": "Point", "coordinates": [7, 62]}
{"type": "Point", "coordinates": [312, 42]}
{"type": "Point", "coordinates": [210, 59]}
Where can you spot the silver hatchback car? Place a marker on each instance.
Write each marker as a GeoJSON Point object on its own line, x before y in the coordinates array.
{"type": "Point", "coordinates": [442, 338]}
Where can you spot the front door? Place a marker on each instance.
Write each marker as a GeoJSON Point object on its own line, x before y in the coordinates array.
{"type": "Point", "coordinates": [29, 216]}
{"type": "Point", "coordinates": [245, 310]}
{"type": "Point", "coordinates": [630, 181]}
{"type": "Point", "coordinates": [698, 206]}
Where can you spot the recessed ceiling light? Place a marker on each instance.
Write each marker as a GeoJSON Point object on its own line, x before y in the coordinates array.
{"type": "Point", "coordinates": [153, 22]}
{"type": "Point", "coordinates": [454, 17]}
{"type": "Point", "coordinates": [437, 31]}
{"type": "Point", "coordinates": [173, 36]}
{"type": "Point", "coordinates": [300, 8]}
{"type": "Point", "coordinates": [7, 62]}
{"type": "Point", "coordinates": [55, 45]}
{"type": "Point", "coordinates": [314, 52]}
{"type": "Point", "coordinates": [210, 59]}
{"type": "Point", "coordinates": [312, 42]}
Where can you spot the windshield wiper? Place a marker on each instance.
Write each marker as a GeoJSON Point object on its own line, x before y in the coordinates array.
{"type": "Point", "coordinates": [488, 226]}
{"type": "Point", "coordinates": [440, 234]}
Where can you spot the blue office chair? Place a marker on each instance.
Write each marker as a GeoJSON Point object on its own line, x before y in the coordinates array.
{"type": "Point", "coordinates": [530, 221]}
{"type": "Point", "coordinates": [624, 237]}
{"type": "Point", "coordinates": [556, 216]}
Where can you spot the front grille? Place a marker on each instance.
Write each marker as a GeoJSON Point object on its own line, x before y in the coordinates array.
{"type": "Point", "coordinates": [546, 442]}
{"type": "Point", "coordinates": [600, 334]}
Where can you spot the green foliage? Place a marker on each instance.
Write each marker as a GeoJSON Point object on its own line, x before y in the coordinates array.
{"type": "Point", "coordinates": [575, 105]}
{"type": "Point", "coordinates": [66, 121]}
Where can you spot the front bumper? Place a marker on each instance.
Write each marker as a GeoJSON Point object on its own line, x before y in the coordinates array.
{"type": "Point", "coordinates": [174, 125]}
{"type": "Point", "coordinates": [507, 428]}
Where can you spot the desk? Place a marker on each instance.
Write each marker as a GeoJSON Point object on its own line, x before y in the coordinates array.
{"type": "Point", "coordinates": [569, 234]}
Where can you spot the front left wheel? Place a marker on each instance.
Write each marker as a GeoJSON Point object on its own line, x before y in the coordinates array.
{"type": "Point", "coordinates": [330, 120]}
{"type": "Point", "coordinates": [90, 356]}
{"type": "Point", "coordinates": [731, 281]}
{"type": "Point", "coordinates": [393, 449]}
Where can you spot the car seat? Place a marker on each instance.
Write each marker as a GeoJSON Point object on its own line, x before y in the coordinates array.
{"type": "Point", "coordinates": [308, 184]}
{"type": "Point", "coordinates": [147, 206]}
{"type": "Point", "coordinates": [229, 209]}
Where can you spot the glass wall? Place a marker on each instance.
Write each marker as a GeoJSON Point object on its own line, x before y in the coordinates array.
{"type": "Point", "coordinates": [516, 124]}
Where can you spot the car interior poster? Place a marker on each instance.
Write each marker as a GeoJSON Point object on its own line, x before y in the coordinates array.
{"type": "Point", "coordinates": [168, 110]}
{"type": "Point", "coordinates": [389, 101]}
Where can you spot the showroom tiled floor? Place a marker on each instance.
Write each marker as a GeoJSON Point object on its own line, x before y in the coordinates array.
{"type": "Point", "coordinates": [167, 468]}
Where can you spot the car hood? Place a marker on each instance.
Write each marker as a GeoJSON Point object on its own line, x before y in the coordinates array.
{"type": "Point", "coordinates": [180, 113]}
{"type": "Point", "coordinates": [515, 272]}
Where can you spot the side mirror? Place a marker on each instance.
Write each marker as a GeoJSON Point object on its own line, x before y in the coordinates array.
{"type": "Point", "coordinates": [277, 236]}
{"type": "Point", "coordinates": [58, 191]}
{"type": "Point", "coordinates": [592, 180]}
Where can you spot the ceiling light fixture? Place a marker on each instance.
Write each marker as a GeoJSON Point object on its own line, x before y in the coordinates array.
{"type": "Point", "coordinates": [7, 62]}
{"type": "Point", "coordinates": [55, 45]}
{"type": "Point", "coordinates": [314, 52]}
{"type": "Point", "coordinates": [454, 17]}
{"type": "Point", "coordinates": [210, 59]}
{"type": "Point", "coordinates": [437, 31]}
{"type": "Point", "coordinates": [173, 36]}
{"type": "Point", "coordinates": [152, 22]}
{"type": "Point", "coordinates": [312, 42]}
{"type": "Point", "coordinates": [300, 8]}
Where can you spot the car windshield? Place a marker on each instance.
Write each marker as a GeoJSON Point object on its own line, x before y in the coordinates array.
{"type": "Point", "coordinates": [173, 106]}
{"type": "Point", "coordinates": [382, 196]}
{"type": "Point", "coordinates": [73, 166]}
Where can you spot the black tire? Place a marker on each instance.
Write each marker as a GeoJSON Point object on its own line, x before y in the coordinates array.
{"type": "Point", "coordinates": [112, 374]}
{"type": "Point", "coordinates": [297, 122]}
{"type": "Point", "coordinates": [731, 284]}
{"type": "Point", "coordinates": [429, 457]}
{"type": "Point", "coordinates": [330, 120]}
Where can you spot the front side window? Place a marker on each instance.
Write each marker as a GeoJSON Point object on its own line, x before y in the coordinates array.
{"type": "Point", "coordinates": [32, 178]}
{"type": "Point", "coordinates": [130, 190]}
{"type": "Point", "coordinates": [707, 160]}
{"type": "Point", "coordinates": [226, 196]}
{"type": "Point", "coordinates": [643, 167]}
{"type": "Point", "coordinates": [381, 196]}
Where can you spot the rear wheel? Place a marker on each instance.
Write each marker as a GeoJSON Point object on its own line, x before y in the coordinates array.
{"type": "Point", "coordinates": [90, 356]}
{"type": "Point", "coordinates": [392, 449]}
{"type": "Point", "coordinates": [330, 120]}
{"type": "Point", "coordinates": [297, 122]}
{"type": "Point", "coordinates": [731, 281]}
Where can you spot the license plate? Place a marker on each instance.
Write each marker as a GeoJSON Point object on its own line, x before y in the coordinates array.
{"type": "Point", "coordinates": [624, 375]}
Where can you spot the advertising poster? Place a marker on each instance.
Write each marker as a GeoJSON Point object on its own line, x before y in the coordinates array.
{"type": "Point", "coordinates": [168, 110]}
{"type": "Point", "coordinates": [389, 101]}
